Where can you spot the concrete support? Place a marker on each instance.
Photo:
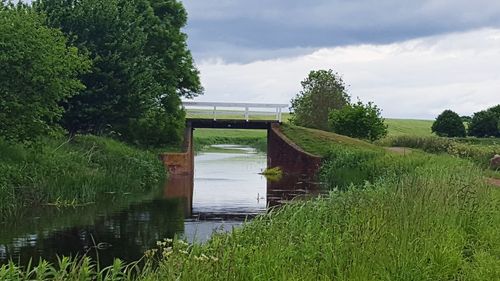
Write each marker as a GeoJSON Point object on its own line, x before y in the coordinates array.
{"type": "Point", "coordinates": [181, 163]}
{"type": "Point", "coordinates": [282, 152]}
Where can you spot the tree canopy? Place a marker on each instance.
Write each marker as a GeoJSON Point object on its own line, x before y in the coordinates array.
{"type": "Point", "coordinates": [486, 123]}
{"type": "Point", "coordinates": [322, 91]}
{"type": "Point", "coordinates": [359, 121]}
{"type": "Point", "coordinates": [38, 71]}
{"type": "Point", "coordinates": [449, 124]}
{"type": "Point", "coordinates": [141, 66]}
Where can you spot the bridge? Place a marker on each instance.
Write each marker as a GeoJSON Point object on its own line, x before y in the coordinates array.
{"type": "Point", "coordinates": [224, 115]}
{"type": "Point", "coordinates": [280, 150]}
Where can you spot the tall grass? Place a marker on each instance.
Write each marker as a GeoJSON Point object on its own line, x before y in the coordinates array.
{"type": "Point", "coordinates": [72, 172]}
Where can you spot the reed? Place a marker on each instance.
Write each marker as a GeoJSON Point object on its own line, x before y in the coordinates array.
{"type": "Point", "coordinates": [72, 172]}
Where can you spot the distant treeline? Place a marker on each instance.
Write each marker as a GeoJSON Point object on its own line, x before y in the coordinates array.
{"type": "Point", "coordinates": [484, 123]}
{"type": "Point", "coordinates": [113, 67]}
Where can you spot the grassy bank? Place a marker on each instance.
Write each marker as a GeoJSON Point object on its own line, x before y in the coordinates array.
{"type": "Point", "coordinates": [388, 217]}
{"type": "Point", "coordinates": [206, 137]}
{"type": "Point", "coordinates": [70, 173]}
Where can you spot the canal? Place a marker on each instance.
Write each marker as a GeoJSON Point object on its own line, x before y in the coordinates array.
{"type": "Point", "coordinates": [226, 190]}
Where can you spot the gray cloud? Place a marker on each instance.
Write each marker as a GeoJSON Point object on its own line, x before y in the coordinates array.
{"type": "Point", "coordinates": [418, 78]}
{"type": "Point", "coordinates": [243, 31]}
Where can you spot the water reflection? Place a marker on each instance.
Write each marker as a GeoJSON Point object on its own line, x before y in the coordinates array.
{"type": "Point", "coordinates": [225, 191]}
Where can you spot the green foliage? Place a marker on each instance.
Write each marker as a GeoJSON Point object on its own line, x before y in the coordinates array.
{"type": "Point", "coordinates": [479, 151]}
{"type": "Point", "coordinates": [466, 119]}
{"type": "Point", "coordinates": [322, 91]}
{"type": "Point", "coordinates": [448, 124]}
{"type": "Point", "coordinates": [74, 171]}
{"type": "Point", "coordinates": [38, 70]}
{"type": "Point", "coordinates": [486, 123]}
{"type": "Point", "coordinates": [359, 121]}
{"type": "Point", "coordinates": [141, 67]}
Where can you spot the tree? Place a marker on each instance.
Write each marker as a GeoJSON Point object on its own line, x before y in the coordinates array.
{"type": "Point", "coordinates": [486, 123]}
{"type": "Point", "coordinates": [141, 66]}
{"type": "Point", "coordinates": [38, 70]}
{"type": "Point", "coordinates": [359, 121]}
{"type": "Point", "coordinates": [322, 91]}
{"type": "Point", "coordinates": [448, 124]}
{"type": "Point", "coordinates": [466, 119]}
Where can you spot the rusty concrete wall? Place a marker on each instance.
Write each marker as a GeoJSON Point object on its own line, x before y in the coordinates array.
{"type": "Point", "coordinates": [282, 152]}
{"type": "Point", "coordinates": [181, 163]}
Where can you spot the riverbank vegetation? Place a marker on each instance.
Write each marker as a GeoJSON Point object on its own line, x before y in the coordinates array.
{"type": "Point", "coordinates": [72, 172]}
{"type": "Point", "coordinates": [71, 78]}
{"type": "Point", "coordinates": [416, 216]}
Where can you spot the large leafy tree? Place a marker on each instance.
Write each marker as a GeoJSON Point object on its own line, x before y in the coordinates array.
{"type": "Point", "coordinates": [486, 123]}
{"type": "Point", "coordinates": [38, 71]}
{"type": "Point", "coordinates": [141, 66]}
{"type": "Point", "coordinates": [448, 124]}
{"type": "Point", "coordinates": [359, 121]}
{"type": "Point", "coordinates": [322, 91]}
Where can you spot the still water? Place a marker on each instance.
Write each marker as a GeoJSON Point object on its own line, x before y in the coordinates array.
{"type": "Point", "coordinates": [225, 191]}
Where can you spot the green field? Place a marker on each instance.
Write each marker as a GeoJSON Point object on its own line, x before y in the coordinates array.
{"type": "Point", "coordinates": [204, 138]}
{"type": "Point", "coordinates": [228, 133]}
{"type": "Point", "coordinates": [398, 127]}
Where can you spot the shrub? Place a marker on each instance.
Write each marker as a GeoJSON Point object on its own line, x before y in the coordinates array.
{"type": "Point", "coordinates": [448, 124]}
{"type": "Point", "coordinates": [358, 120]}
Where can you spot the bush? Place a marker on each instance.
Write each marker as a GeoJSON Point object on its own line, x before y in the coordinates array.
{"type": "Point", "coordinates": [448, 124]}
{"type": "Point", "coordinates": [37, 72]}
{"type": "Point", "coordinates": [359, 121]}
{"type": "Point", "coordinates": [322, 91]}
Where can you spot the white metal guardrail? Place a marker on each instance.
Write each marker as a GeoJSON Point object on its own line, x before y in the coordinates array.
{"type": "Point", "coordinates": [237, 109]}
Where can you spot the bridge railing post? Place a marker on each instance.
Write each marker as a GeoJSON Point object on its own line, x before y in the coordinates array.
{"type": "Point", "coordinates": [247, 115]}
{"type": "Point", "coordinates": [215, 113]}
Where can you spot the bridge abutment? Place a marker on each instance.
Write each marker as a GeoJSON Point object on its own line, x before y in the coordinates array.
{"type": "Point", "coordinates": [283, 153]}
{"type": "Point", "coordinates": [181, 163]}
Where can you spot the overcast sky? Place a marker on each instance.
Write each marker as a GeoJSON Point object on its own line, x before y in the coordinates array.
{"type": "Point", "coordinates": [412, 58]}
